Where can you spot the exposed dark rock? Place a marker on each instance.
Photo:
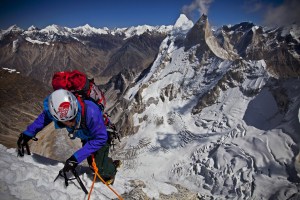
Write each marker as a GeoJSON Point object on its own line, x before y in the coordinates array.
{"type": "Point", "coordinates": [135, 55]}
{"type": "Point", "coordinates": [197, 34]}
{"type": "Point", "coordinates": [253, 43]}
{"type": "Point", "coordinates": [20, 103]}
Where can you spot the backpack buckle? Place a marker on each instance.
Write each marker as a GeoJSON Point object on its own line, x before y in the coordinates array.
{"type": "Point", "coordinates": [71, 135]}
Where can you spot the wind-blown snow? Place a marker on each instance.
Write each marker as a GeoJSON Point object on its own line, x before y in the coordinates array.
{"type": "Point", "coordinates": [293, 30]}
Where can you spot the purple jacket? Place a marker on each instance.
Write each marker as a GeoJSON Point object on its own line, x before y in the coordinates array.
{"type": "Point", "coordinates": [94, 136]}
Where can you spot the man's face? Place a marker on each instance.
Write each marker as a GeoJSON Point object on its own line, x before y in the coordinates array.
{"type": "Point", "coordinates": [71, 123]}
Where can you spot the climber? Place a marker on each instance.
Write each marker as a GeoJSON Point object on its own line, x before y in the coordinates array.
{"type": "Point", "coordinates": [64, 109]}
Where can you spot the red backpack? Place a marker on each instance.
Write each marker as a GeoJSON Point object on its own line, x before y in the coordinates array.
{"type": "Point", "coordinates": [85, 89]}
{"type": "Point", "coordinates": [78, 83]}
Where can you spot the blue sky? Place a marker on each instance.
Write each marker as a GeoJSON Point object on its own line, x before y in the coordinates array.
{"type": "Point", "coordinates": [125, 13]}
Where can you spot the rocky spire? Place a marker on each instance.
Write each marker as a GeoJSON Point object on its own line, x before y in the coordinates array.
{"type": "Point", "coordinates": [197, 34]}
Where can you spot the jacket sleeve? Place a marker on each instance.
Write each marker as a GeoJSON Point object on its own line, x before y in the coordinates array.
{"type": "Point", "coordinates": [39, 123]}
{"type": "Point", "coordinates": [97, 129]}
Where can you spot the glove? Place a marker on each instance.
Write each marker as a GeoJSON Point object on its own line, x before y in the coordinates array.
{"type": "Point", "coordinates": [71, 164]}
{"type": "Point", "coordinates": [23, 142]}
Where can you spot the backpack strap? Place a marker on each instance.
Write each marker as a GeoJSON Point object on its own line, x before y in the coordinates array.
{"type": "Point", "coordinates": [83, 112]}
{"type": "Point", "coordinates": [106, 119]}
{"type": "Point", "coordinates": [85, 91]}
{"type": "Point", "coordinates": [87, 86]}
{"type": "Point", "coordinates": [112, 132]}
{"type": "Point", "coordinates": [102, 100]}
{"type": "Point", "coordinates": [82, 118]}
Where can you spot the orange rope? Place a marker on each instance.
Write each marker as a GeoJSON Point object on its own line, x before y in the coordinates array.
{"type": "Point", "coordinates": [94, 180]}
{"type": "Point", "coordinates": [97, 174]}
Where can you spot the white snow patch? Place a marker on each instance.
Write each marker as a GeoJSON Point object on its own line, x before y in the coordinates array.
{"type": "Point", "coordinates": [10, 70]}
{"type": "Point", "coordinates": [36, 41]}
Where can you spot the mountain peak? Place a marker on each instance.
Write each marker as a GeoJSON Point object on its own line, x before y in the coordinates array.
{"type": "Point", "coordinates": [89, 30]}
{"type": "Point", "coordinates": [14, 28]}
{"type": "Point", "coordinates": [202, 20]}
{"type": "Point", "coordinates": [53, 29]}
{"type": "Point", "coordinates": [203, 17]}
{"type": "Point", "coordinates": [32, 28]}
{"type": "Point", "coordinates": [87, 26]}
{"type": "Point", "coordinates": [183, 21]}
{"type": "Point", "coordinates": [196, 34]}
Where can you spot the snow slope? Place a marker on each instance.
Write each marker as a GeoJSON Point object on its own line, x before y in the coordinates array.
{"type": "Point", "coordinates": [31, 177]}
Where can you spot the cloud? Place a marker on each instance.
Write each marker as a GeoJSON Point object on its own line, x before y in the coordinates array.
{"type": "Point", "coordinates": [252, 6]}
{"type": "Point", "coordinates": [284, 14]}
{"type": "Point", "coordinates": [201, 5]}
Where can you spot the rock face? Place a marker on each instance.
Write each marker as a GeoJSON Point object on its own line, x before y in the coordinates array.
{"type": "Point", "coordinates": [136, 54]}
{"type": "Point", "coordinates": [278, 47]}
{"type": "Point", "coordinates": [20, 103]}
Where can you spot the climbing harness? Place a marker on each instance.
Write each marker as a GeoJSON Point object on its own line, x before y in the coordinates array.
{"type": "Point", "coordinates": [64, 175]}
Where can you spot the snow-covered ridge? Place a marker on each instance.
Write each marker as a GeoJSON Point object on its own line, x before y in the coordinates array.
{"type": "Point", "coordinates": [139, 30]}
{"type": "Point", "coordinates": [50, 33]}
{"type": "Point", "coordinates": [36, 41]}
{"type": "Point", "coordinates": [11, 29]}
{"type": "Point", "coordinates": [87, 30]}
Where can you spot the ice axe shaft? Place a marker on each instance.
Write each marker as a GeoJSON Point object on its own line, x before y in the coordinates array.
{"type": "Point", "coordinates": [74, 172]}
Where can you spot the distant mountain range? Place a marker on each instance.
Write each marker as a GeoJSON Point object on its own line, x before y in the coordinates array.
{"type": "Point", "coordinates": [101, 53]}
{"type": "Point", "coordinates": [81, 31]}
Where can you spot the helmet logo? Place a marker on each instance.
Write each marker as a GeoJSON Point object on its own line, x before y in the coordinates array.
{"type": "Point", "coordinates": [63, 109]}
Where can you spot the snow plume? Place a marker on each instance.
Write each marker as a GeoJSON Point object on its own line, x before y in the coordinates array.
{"type": "Point", "coordinates": [284, 14]}
{"type": "Point", "coordinates": [201, 5]}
